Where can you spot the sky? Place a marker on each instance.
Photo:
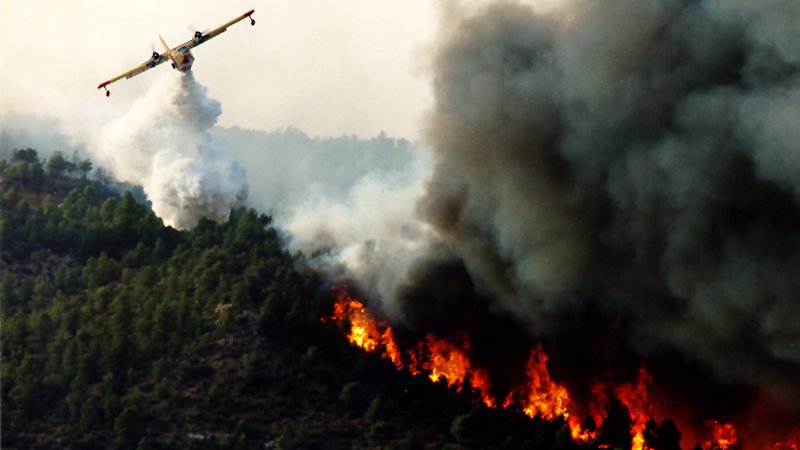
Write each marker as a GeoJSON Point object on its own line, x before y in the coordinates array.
{"type": "Point", "coordinates": [327, 67]}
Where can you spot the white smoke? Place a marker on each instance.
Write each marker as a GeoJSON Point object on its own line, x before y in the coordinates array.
{"type": "Point", "coordinates": [164, 144]}
{"type": "Point", "coordinates": [372, 234]}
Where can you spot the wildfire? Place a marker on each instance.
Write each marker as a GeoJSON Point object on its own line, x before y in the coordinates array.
{"type": "Point", "coordinates": [634, 396]}
{"type": "Point", "coordinates": [546, 398]}
{"type": "Point", "coordinates": [722, 436]}
{"type": "Point", "coordinates": [444, 360]}
{"type": "Point", "coordinates": [540, 396]}
{"type": "Point", "coordinates": [365, 332]}
{"type": "Point", "coordinates": [792, 443]}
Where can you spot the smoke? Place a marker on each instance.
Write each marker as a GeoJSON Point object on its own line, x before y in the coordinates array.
{"type": "Point", "coordinates": [45, 135]}
{"type": "Point", "coordinates": [164, 144]}
{"type": "Point", "coordinates": [294, 167]}
{"type": "Point", "coordinates": [638, 158]}
{"type": "Point", "coordinates": [626, 169]}
{"type": "Point", "coordinates": [368, 232]}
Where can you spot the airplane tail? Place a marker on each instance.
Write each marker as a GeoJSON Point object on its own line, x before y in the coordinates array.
{"type": "Point", "coordinates": [168, 52]}
{"type": "Point", "coordinates": [166, 47]}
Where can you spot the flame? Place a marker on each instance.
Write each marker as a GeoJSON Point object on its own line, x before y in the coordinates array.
{"type": "Point", "coordinates": [539, 396]}
{"type": "Point", "coordinates": [445, 360]}
{"type": "Point", "coordinates": [365, 332]}
{"type": "Point", "coordinates": [792, 443]}
{"type": "Point", "coordinates": [546, 398]}
{"type": "Point", "coordinates": [722, 436]}
{"type": "Point", "coordinates": [440, 358]}
{"type": "Point", "coordinates": [634, 396]}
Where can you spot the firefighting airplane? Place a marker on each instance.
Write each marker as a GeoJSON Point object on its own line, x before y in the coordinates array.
{"type": "Point", "coordinates": [181, 55]}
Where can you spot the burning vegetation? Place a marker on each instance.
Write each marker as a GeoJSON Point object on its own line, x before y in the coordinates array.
{"type": "Point", "coordinates": [538, 395]}
{"type": "Point", "coordinates": [611, 226]}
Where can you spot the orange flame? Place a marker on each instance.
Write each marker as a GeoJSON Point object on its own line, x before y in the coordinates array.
{"type": "Point", "coordinates": [365, 332]}
{"type": "Point", "coordinates": [445, 360]}
{"type": "Point", "coordinates": [540, 396]}
{"type": "Point", "coordinates": [722, 436]}
{"type": "Point", "coordinates": [546, 398]}
{"type": "Point", "coordinates": [442, 359]}
{"type": "Point", "coordinates": [635, 398]}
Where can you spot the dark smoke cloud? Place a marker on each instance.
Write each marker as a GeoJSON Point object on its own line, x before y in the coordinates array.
{"type": "Point", "coordinates": [638, 160]}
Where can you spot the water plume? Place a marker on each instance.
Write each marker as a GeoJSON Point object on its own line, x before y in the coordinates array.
{"type": "Point", "coordinates": [164, 144]}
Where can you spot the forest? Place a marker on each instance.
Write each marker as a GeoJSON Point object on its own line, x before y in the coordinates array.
{"type": "Point", "coordinates": [119, 332]}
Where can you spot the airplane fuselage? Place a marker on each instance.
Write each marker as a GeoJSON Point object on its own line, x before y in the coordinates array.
{"type": "Point", "coordinates": [182, 59]}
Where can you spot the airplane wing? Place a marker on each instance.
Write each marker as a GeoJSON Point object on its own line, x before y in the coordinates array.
{"type": "Point", "coordinates": [143, 67]}
{"type": "Point", "coordinates": [169, 54]}
{"type": "Point", "coordinates": [190, 44]}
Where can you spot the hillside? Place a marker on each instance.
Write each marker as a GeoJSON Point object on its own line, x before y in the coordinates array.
{"type": "Point", "coordinates": [121, 332]}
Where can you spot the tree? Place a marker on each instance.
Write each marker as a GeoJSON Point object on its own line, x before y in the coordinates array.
{"type": "Point", "coordinates": [354, 397]}
{"type": "Point", "coordinates": [84, 167]}
{"type": "Point", "coordinates": [36, 176]}
{"type": "Point", "coordinates": [43, 290]}
{"type": "Point", "coordinates": [379, 432]}
{"type": "Point", "coordinates": [28, 155]}
{"type": "Point", "coordinates": [101, 270]}
{"type": "Point", "coordinates": [90, 414]}
{"type": "Point", "coordinates": [77, 396]}
{"type": "Point", "coordinates": [128, 427]}
{"type": "Point", "coordinates": [8, 297]}
{"type": "Point", "coordinates": [615, 431]}
{"type": "Point", "coordinates": [649, 433]}
{"type": "Point", "coordinates": [27, 391]}
{"type": "Point", "coordinates": [667, 436]}
{"type": "Point", "coordinates": [57, 166]}
{"type": "Point", "coordinates": [251, 366]}
{"type": "Point", "coordinates": [379, 409]}
{"type": "Point", "coordinates": [468, 428]}
{"type": "Point", "coordinates": [240, 435]}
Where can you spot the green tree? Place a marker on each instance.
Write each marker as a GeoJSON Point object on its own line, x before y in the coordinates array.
{"type": "Point", "coordinates": [251, 366]}
{"type": "Point", "coordinates": [84, 167]}
{"type": "Point", "coordinates": [77, 397]}
{"type": "Point", "coordinates": [379, 409]}
{"type": "Point", "coordinates": [468, 428]}
{"type": "Point", "coordinates": [58, 166]}
{"type": "Point", "coordinates": [8, 296]}
{"type": "Point", "coordinates": [379, 432]}
{"type": "Point", "coordinates": [43, 291]}
{"type": "Point", "coordinates": [354, 397]}
{"type": "Point", "coordinates": [25, 155]}
{"type": "Point", "coordinates": [111, 405]}
{"type": "Point", "coordinates": [36, 176]}
{"type": "Point", "coordinates": [28, 393]}
{"type": "Point", "coordinates": [240, 435]}
{"type": "Point", "coordinates": [90, 414]}
{"type": "Point", "coordinates": [128, 427]}
{"type": "Point", "coordinates": [144, 444]}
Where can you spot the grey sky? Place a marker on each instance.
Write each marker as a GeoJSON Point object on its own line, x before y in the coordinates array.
{"type": "Point", "coordinates": [329, 67]}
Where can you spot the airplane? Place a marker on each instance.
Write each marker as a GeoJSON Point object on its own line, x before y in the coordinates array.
{"type": "Point", "coordinates": [181, 56]}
